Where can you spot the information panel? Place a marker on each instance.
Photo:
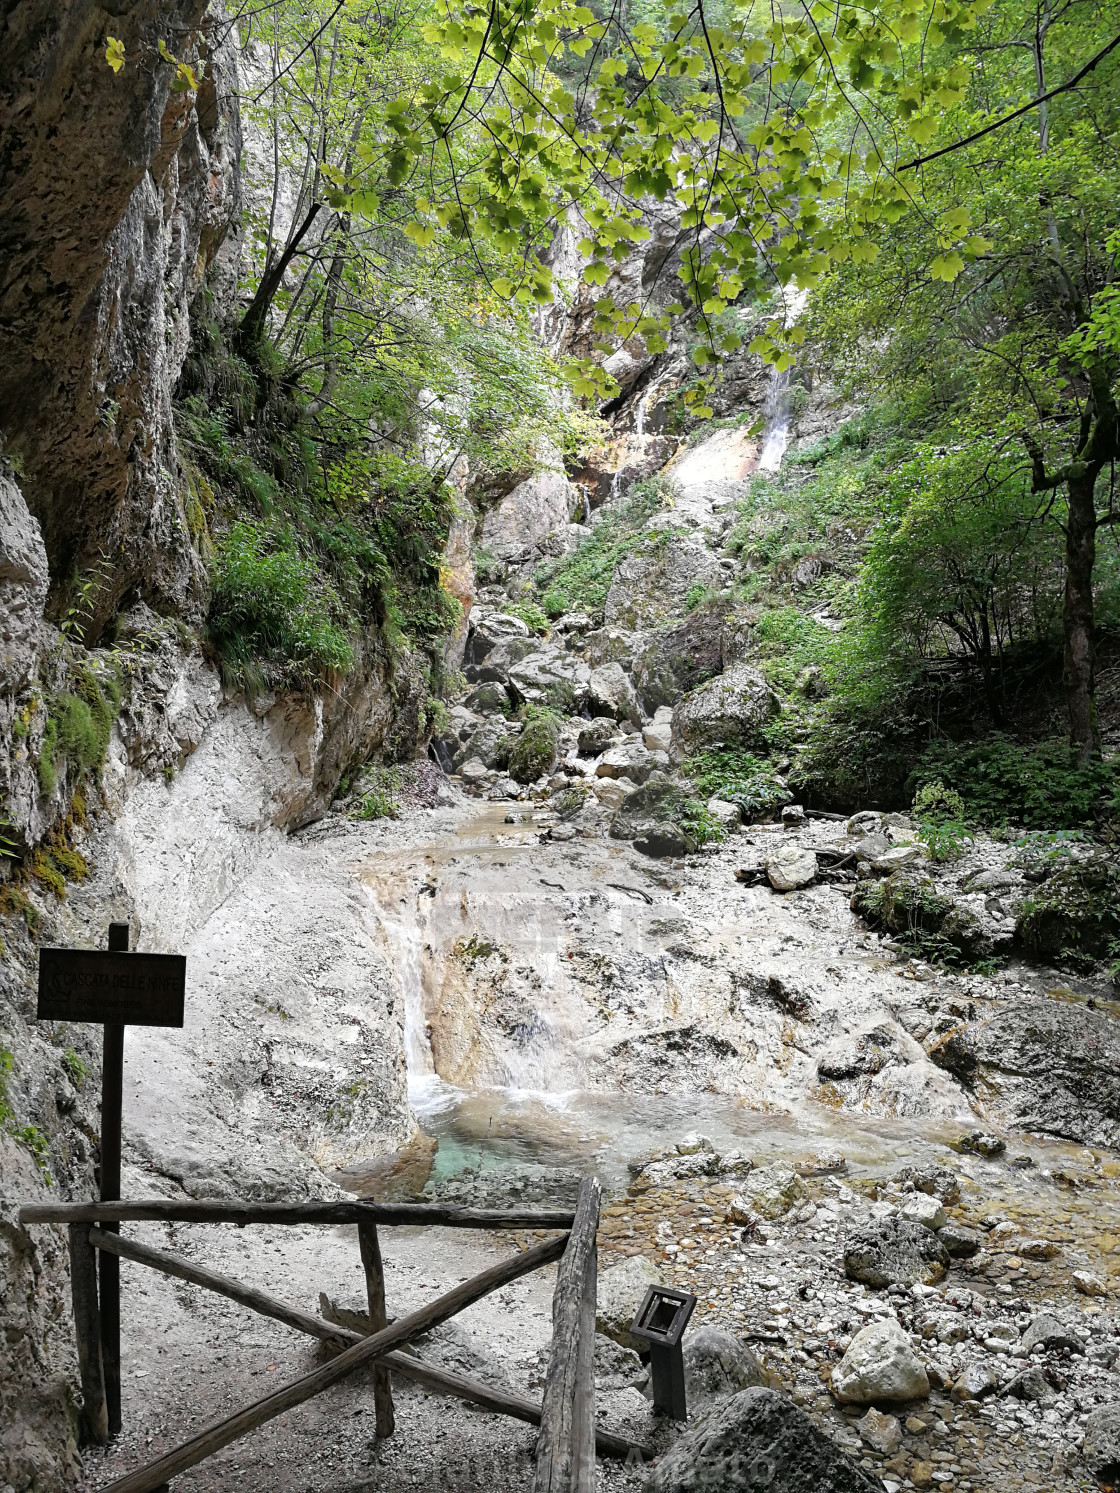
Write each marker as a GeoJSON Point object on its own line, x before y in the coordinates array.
{"type": "Point", "coordinates": [119, 989]}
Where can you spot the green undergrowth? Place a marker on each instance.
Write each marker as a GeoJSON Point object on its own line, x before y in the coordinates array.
{"type": "Point", "coordinates": [312, 535]}
{"type": "Point", "coordinates": [1000, 781]}
{"type": "Point", "coordinates": [29, 1136]}
{"type": "Point", "coordinates": [579, 582]}
{"type": "Point", "coordinates": [379, 788]}
{"type": "Point", "coordinates": [740, 778]}
{"type": "Point", "coordinates": [78, 726]}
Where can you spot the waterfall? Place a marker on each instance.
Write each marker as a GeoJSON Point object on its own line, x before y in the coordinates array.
{"type": "Point", "coordinates": [776, 406]}
{"type": "Point", "coordinates": [775, 431]}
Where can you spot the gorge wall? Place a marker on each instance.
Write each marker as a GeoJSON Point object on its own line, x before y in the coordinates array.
{"type": "Point", "coordinates": [122, 207]}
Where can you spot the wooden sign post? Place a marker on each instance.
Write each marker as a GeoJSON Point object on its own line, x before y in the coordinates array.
{"type": "Point", "coordinates": [118, 989]}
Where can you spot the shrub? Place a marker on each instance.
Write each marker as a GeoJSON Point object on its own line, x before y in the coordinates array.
{"type": "Point", "coordinates": [739, 778]}
{"type": "Point", "coordinates": [379, 801]}
{"type": "Point", "coordinates": [273, 603]}
{"type": "Point", "coordinates": [534, 617]}
{"type": "Point", "coordinates": [1000, 782]}
{"type": "Point", "coordinates": [940, 815]}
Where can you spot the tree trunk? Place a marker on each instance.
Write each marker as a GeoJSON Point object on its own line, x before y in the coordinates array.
{"type": "Point", "coordinates": [1080, 680]}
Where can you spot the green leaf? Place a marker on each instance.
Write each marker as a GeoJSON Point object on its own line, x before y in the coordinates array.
{"type": "Point", "coordinates": [114, 53]}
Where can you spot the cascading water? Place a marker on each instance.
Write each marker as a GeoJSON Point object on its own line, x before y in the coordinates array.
{"type": "Point", "coordinates": [776, 407]}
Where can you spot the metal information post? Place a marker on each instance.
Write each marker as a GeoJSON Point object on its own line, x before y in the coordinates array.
{"type": "Point", "coordinates": [117, 989]}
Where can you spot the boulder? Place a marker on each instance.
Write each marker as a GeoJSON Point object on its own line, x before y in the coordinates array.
{"type": "Point", "coordinates": [727, 815]}
{"type": "Point", "coordinates": [919, 1207]}
{"type": "Point", "coordinates": [716, 1366]}
{"type": "Point", "coordinates": [960, 1243]}
{"type": "Point", "coordinates": [621, 1291]}
{"type": "Point", "coordinates": [617, 1367]}
{"type": "Point", "coordinates": [976, 1382]}
{"type": "Point", "coordinates": [791, 867]}
{"type": "Point", "coordinates": [758, 1440]}
{"type": "Point", "coordinates": [908, 900]}
{"type": "Point", "coordinates": [473, 771]}
{"type": "Point", "coordinates": [654, 819]}
{"type": "Point", "coordinates": [772, 1191]}
{"type": "Point", "coordinates": [489, 629]}
{"type": "Point", "coordinates": [488, 699]}
{"type": "Point", "coordinates": [1087, 1284]}
{"type": "Point", "coordinates": [1101, 1449]}
{"type": "Point", "coordinates": [549, 677]}
{"type": "Point", "coordinates": [597, 735]}
{"type": "Point", "coordinates": [1076, 910]}
{"type": "Point", "coordinates": [610, 693]}
{"type": "Point", "coordinates": [881, 1432]}
{"type": "Point", "coordinates": [630, 760]}
{"type": "Point", "coordinates": [867, 822]}
{"type": "Point", "coordinates": [658, 736]}
{"type": "Point", "coordinates": [730, 710]}
{"type": "Point", "coordinates": [880, 1366]}
{"type": "Point", "coordinates": [612, 792]}
{"type": "Point", "coordinates": [670, 662]}
{"type": "Point", "coordinates": [1050, 1335]}
{"type": "Point", "coordinates": [937, 1181]}
{"type": "Point", "coordinates": [895, 1251]}
{"type": "Point", "coordinates": [490, 744]}
{"type": "Point", "coordinates": [1041, 1065]}
{"type": "Point", "coordinates": [1031, 1384]}
{"type": "Point", "coordinates": [535, 751]}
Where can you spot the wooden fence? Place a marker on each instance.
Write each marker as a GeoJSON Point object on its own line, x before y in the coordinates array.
{"type": "Point", "coordinates": [569, 1438]}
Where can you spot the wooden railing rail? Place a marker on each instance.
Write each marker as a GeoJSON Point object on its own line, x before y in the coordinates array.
{"type": "Point", "coordinates": [206, 1210]}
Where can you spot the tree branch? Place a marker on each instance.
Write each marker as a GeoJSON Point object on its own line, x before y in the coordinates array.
{"type": "Point", "coordinates": [1015, 113]}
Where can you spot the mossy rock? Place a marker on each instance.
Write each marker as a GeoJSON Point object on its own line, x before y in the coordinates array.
{"type": "Point", "coordinates": [655, 818]}
{"type": "Point", "coordinates": [535, 751]}
{"type": "Point", "coordinates": [902, 903]}
{"type": "Point", "coordinates": [1075, 914]}
{"type": "Point", "coordinates": [909, 905]}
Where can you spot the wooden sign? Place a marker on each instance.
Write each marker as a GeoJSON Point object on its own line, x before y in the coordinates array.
{"type": "Point", "coordinates": [119, 989]}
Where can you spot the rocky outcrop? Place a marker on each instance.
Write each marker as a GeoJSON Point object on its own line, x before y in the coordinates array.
{"type": "Point", "coordinates": [1041, 1065]}
{"type": "Point", "coordinates": [118, 193]}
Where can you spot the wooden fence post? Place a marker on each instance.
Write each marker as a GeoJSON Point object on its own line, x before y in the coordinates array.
{"type": "Point", "coordinates": [378, 1318]}
{"type": "Point", "coordinates": [87, 1328]}
{"type": "Point", "coordinates": [566, 1445]}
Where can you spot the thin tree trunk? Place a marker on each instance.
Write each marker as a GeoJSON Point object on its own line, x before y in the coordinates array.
{"type": "Point", "coordinates": [251, 330]}
{"type": "Point", "coordinates": [1080, 674]}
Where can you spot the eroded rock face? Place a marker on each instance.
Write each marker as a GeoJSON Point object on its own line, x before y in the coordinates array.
{"type": "Point", "coordinates": [758, 1439]}
{"type": "Point", "coordinates": [23, 583]}
{"type": "Point", "coordinates": [1042, 1065]}
{"type": "Point", "coordinates": [536, 508]}
{"type": "Point", "coordinates": [118, 197]}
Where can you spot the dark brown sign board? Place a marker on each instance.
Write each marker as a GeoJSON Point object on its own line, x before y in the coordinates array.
{"type": "Point", "coordinates": [116, 988]}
